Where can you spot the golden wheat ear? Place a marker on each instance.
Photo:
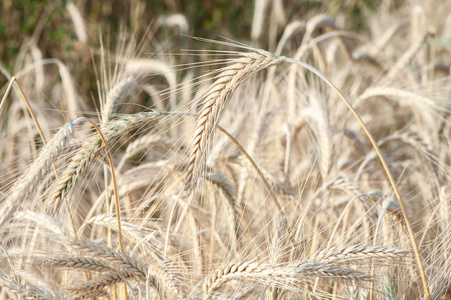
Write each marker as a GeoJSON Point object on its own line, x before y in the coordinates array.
{"type": "Point", "coordinates": [215, 102]}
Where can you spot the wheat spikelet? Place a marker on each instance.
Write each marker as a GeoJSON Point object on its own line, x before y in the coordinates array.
{"type": "Point", "coordinates": [408, 55]}
{"type": "Point", "coordinates": [258, 20]}
{"type": "Point", "coordinates": [73, 102]}
{"type": "Point", "coordinates": [165, 276]}
{"type": "Point", "coordinates": [290, 29]}
{"type": "Point", "coordinates": [143, 67]}
{"type": "Point", "coordinates": [133, 232]}
{"type": "Point", "coordinates": [308, 269]}
{"type": "Point", "coordinates": [119, 259]}
{"type": "Point", "coordinates": [222, 182]}
{"type": "Point", "coordinates": [321, 21]}
{"type": "Point", "coordinates": [36, 53]}
{"type": "Point", "coordinates": [29, 180]}
{"type": "Point", "coordinates": [352, 253]}
{"type": "Point", "coordinates": [174, 20]}
{"type": "Point", "coordinates": [127, 264]}
{"type": "Point", "coordinates": [81, 262]}
{"type": "Point", "coordinates": [320, 118]}
{"type": "Point", "coordinates": [215, 102]}
{"type": "Point", "coordinates": [226, 273]}
{"type": "Point", "coordinates": [27, 290]}
{"type": "Point", "coordinates": [399, 94]}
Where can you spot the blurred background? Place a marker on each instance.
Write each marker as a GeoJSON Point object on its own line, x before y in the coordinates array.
{"type": "Point", "coordinates": [69, 30]}
{"type": "Point", "coordinates": [72, 31]}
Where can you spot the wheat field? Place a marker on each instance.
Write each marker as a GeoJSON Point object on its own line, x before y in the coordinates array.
{"type": "Point", "coordinates": [305, 158]}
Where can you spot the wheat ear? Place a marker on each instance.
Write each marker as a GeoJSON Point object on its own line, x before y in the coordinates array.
{"type": "Point", "coordinates": [77, 20]}
{"type": "Point", "coordinates": [215, 102]}
{"type": "Point", "coordinates": [290, 276]}
{"type": "Point", "coordinates": [127, 264]}
{"type": "Point", "coordinates": [119, 259]}
{"type": "Point", "coordinates": [348, 253]}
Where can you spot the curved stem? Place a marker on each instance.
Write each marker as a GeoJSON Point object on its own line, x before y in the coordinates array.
{"type": "Point", "coordinates": [113, 178]}
{"type": "Point", "coordinates": [116, 199]}
{"type": "Point", "coordinates": [384, 164]}
{"type": "Point", "coordinates": [260, 173]}
{"type": "Point", "coordinates": [8, 90]}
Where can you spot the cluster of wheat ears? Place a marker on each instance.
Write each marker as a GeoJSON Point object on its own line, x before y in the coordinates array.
{"type": "Point", "coordinates": [245, 174]}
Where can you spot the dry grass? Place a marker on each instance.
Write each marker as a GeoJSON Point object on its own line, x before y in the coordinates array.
{"type": "Point", "coordinates": [237, 173]}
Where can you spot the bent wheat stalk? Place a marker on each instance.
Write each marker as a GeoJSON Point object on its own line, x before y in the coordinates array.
{"type": "Point", "coordinates": [216, 101]}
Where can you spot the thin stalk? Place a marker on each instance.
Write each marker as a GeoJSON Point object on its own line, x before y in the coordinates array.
{"type": "Point", "coordinates": [113, 178]}
{"type": "Point", "coordinates": [8, 90]}
{"type": "Point", "coordinates": [116, 199]}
